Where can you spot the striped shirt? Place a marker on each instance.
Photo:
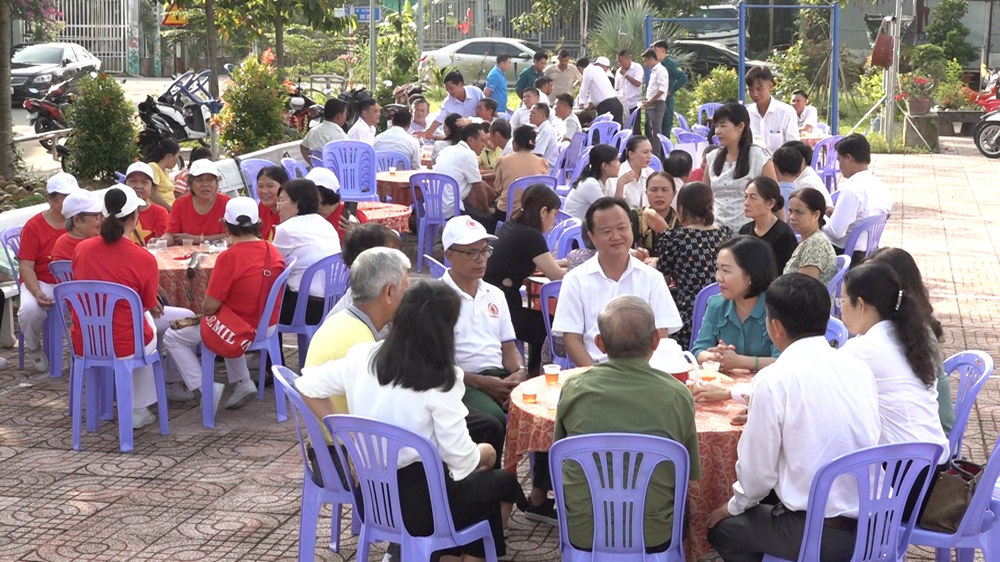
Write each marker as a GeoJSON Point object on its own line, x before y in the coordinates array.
{"type": "Point", "coordinates": [721, 323]}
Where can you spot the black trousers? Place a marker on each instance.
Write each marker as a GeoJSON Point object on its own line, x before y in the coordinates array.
{"type": "Point", "coordinates": [485, 428]}
{"type": "Point", "coordinates": [314, 309]}
{"type": "Point", "coordinates": [529, 327]}
{"type": "Point", "coordinates": [614, 107]}
{"type": "Point", "coordinates": [856, 258]}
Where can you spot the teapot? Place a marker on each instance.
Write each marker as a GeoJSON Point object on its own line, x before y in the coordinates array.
{"type": "Point", "coordinates": [670, 358]}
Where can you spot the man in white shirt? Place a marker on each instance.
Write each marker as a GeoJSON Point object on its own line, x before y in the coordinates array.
{"type": "Point", "coordinates": [790, 167]}
{"type": "Point", "coordinates": [807, 117]}
{"type": "Point", "coordinates": [772, 122]}
{"type": "Point", "coordinates": [596, 91]}
{"type": "Point", "coordinates": [656, 97]}
{"type": "Point", "coordinates": [397, 139]}
{"type": "Point", "coordinates": [628, 84]}
{"type": "Point", "coordinates": [812, 405]}
{"type": "Point", "coordinates": [487, 110]}
{"type": "Point", "coordinates": [546, 143]}
{"type": "Point", "coordinates": [461, 162]}
{"type": "Point", "coordinates": [564, 75]}
{"type": "Point", "coordinates": [331, 129]}
{"type": "Point", "coordinates": [364, 128]}
{"type": "Point", "coordinates": [420, 109]}
{"type": "Point", "coordinates": [612, 272]}
{"type": "Point", "coordinates": [545, 87]}
{"type": "Point", "coordinates": [862, 195]}
{"type": "Point", "coordinates": [461, 99]}
{"type": "Point", "coordinates": [522, 115]}
{"type": "Point", "coordinates": [570, 123]}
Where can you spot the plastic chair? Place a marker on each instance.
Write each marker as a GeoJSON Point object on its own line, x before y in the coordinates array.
{"type": "Point", "coordinates": [559, 227]}
{"type": "Point", "coordinates": [656, 164]}
{"type": "Point", "coordinates": [94, 303]}
{"type": "Point", "coordinates": [836, 333]}
{"type": "Point", "coordinates": [314, 496]}
{"type": "Point", "coordinates": [10, 238]}
{"type": "Point", "coordinates": [872, 228]}
{"type": "Point", "coordinates": [267, 342]}
{"type": "Point", "coordinates": [569, 236]}
{"type": "Point", "coordinates": [561, 216]}
{"type": "Point", "coordinates": [835, 285]}
{"type": "Point", "coordinates": [666, 145]}
{"type": "Point", "coordinates": [550, 291]}
{"type": "Point", "coordinates": [706, 111]}
{"type": "Point", "coordinates": [603, 118]}
{"type": "Point", "coordinates": [825, 163]}
{"type": "Point", "coordinates": [373, 447]}
{"type": "Point", "coordinates": [681, 121]}
{"type": "Point", "coordinates": [833, 197]}
{"type": "Point", "coordinates": [618, 468]}
{"type": "Point", "coordinates": [429, 207]}
{"type": "Point", "coordinates": [621, 140]}
{"type": "Point", "coordinates": [315, 161]}
{"type": "Point", "coordinates": [249, 169]}
{"type": "Point", "coordinates": [685, 137]}
{"type": "Point", "coordinates": [386, 158]}
{"type": "Point", "coordinates": [437, 268]}
{"type": "Point", "coordinates": [337, 277]}
{"type": "Point", "coordinates": [630, 122]}
{"type": "Point", "coordinates": [505, 115]}
{"type": "Point", "coordinates": [824, 128]}
{"type": "Point", "coordinates": [62, 270]}
{"type": "Point", "coordinates": [602, 133]}
{"type": "Point", "coordinates": [702, 131]}
{"type": "Point", "coordinates": [120, 177]}
{"type": "Point", "coordinates": [294, 168]}
{"type": "Point", "coordinates": [787, 188]}
{"type": "Point", "coordinates": [700, 306]}
{"type": "Point", "coordinates": [580, 165]}
{"type": "Point", "coordinates": [885, 476]}
{"type": "Point", "coordinates": [568, 158]}
{"type": "Point", "coordinates": [521, 184]}
{"type": "Point", "coordinates": [974, 369]}
{"type": "Point", "coordinates": [354, 164]}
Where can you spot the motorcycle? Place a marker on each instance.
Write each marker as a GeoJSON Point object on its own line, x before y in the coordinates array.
{"type": "Point", "coordinates": [183, 111]}
{"type": "Point", "coordinates": [303, 112]}
{"type": "Point", "coordinates": [47, 113]}
{"type": "Point", "coordinates": [987, 134]}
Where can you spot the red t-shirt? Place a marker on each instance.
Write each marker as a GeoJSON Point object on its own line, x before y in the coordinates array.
{"type": "Point", "coordinates": [125, 263]}
{"type": "Point", "coordinates": [334, 219]}
{"type": "Point", "coordinates": [65, 246]}
{"type": "Point", "coordinates": [237, 277]}
{"type": "Point", "coordinates": [268, 220]}
{"type": "Point", "coordinates": [184, 219]}
{"type": "Point", "coordinates": [152, 224]}
{"type": "Point", "coordinates": [38, 238]}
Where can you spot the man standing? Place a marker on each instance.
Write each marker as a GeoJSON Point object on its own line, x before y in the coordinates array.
{"type": "Point", "coordinates": [364, 128]}
{"type": "Point", "coordinates": [677, 80]}
{"type": "Point", "coordinates": [461, 99]}
{"type": "Point", "coordinates": [396, 138]}
{"type": "Point", "coordinates": [496, 82]}
{"type": "Point", "coordinates": [773, 122]}
{"type": "Point", "coordinates": [628, 84]}
{"type": "Point", "coordinates": [596, 92]}
{"type": "Point", "coordinates": [565, 76]}
{"type": "Point", "coordinates": [531, 73]}
{"type": "Point", "coordinates": [656, 94]}
{"type": "Point", "coordinates": [461, 162]}
{"type": "Point", "coordinates": [331, 129]}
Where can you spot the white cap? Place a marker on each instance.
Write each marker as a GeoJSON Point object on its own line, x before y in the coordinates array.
{"type": "Point", "coordinates": [81, 201]}
{"type": "Point", "coordinates": [603, 61]}
{"type": "Point", "coordinates": [132, 201]}
{"type": "Point", "coordinates": [141, 168]}
{"type": "Point", "coordinates": [62, 183]}
{"type": "Point", "coordinates": [324, 178]}
{"type": "Point", "coordinates": [463, 230]}
{"type": "Point", "coordinates": [202, 167]}
{"type": "Point", "coordinates": [241, 207]}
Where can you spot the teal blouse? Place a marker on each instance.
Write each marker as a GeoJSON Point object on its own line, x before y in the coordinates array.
{"type": "Point", "coordinates": [721, 323]}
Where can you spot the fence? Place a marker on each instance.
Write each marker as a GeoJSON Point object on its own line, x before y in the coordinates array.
{"type": "Point", "coordinates": [101, 27]}
{"type": "Point", "coordinates": [445, 21]}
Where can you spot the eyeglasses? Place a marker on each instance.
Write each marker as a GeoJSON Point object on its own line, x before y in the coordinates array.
{"type": "Point", "coordinates": [477, 254]}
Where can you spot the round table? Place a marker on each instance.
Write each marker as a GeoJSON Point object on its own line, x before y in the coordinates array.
{"type": "Point", "coordinates": [396, 185]}
{"type": "Point", "coordinates": [180, 290]}
{"type": "Point", "coordinates": [814, 140]}
{"type": "Point", "coordinates": [531, 427]}
{"type": "Point", "coordinates": [390, 215]}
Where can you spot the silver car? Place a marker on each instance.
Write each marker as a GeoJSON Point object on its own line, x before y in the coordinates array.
{"type": "Point", "coordinates": [476, 57]}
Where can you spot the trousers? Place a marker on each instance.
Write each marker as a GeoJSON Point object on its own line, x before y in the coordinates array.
{"type": "Point", "coordinates": [613, 106]}
{"type": "Point", "coordinates": [182, 345]}
{"type": "Point", "coordinates": [655, 115]}
{"type": "Point", "coordinates": [31, 316]}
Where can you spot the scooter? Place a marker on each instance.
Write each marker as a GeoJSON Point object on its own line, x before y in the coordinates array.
{"type": "Point", "coordinates": [987, 134]}
{"type": "Point", "coordinates": [303, 112]}
{"type": "Point", "coordinates": [47, 113]}
{"type": "Point", "coordinates": [183, 111]}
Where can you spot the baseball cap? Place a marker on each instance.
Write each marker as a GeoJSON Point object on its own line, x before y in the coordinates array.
{"type": "Point", "coordinates": [141, 168]}
{"type": "Point", "coordinates": [132, 201]}
{"type": "Point", "coordinates": [81, 201]}
{"type": "Point", "coordinates": [204, 166]}
{"type": "Point", "coordinates": [603, 61]}
{"type": "Point", "coordinates": [62, 183]}
{"type": "Point", "coordinates": [241, 207]}
{"type": "Point", "coordinates": [324, 178]}
{"type": "Point", "coordinates": [462, 230]}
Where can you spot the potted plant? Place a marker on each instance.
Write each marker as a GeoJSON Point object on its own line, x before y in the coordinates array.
{"type": "Point", "coordinates": [917, 90]}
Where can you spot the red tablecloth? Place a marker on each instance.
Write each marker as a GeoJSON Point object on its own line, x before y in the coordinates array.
{"type": "Point", "coordinates": [181, 291]}
{"type": "Point", "coordinates": [396, 185]}
{"type": "Point", "coordinates": [531, 427]}
{"type": "Point", "coordinates": [391, 215]}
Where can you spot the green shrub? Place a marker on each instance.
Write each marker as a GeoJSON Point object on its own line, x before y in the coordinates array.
{"type": "Point", "coordinates": [947, 30]}
{"type": "Point", "coordinates": [253, 117]}
{"type": "Point", "coordinates": [720, 86]}
{"type": "Point", "coordinates": [104, 129]}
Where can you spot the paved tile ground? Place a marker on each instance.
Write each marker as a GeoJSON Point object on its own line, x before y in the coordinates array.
{"type": "Point", "coordinates": [232, 493]}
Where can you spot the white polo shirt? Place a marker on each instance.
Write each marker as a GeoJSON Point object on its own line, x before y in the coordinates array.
{"type": "Point", "coordinates": [629, 93]}
{"type": "Point", "coordinates": [461, 163]}
{"type": "Point", "coordinates": [547, 144]}
{"type": "Point", "coordinates": [778, 125]}
{"type": "Point", "coordinates": [586, 290]}
{"type": "Point", "coordinates": [595, 87]}
{"type": "Point", "coordinates": [808, 117]}
{"type": "Point", "coordinates": [483, 326]}
{"type": "Point", "coordinates": [398, 140]}
{"type": "Point", "coordinates": [362, 131]}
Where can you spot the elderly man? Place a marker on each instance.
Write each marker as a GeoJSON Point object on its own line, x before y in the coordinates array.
{"type": "Point", "coordinates": [616, 397]}
{"type": "Point", "coordinates": [564, 75]}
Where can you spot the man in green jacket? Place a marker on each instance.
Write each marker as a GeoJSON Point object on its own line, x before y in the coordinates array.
{"type": "Point", "coordinates": [531, 73]}
{"type": "Point", "coordinates": [677, 80]}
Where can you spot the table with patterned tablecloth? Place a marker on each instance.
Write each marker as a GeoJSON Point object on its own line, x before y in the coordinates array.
{"type": "Point", "coordinates": [531, 427]}
{"type": "Point", "coordinates": [813, 140]}
{"type": "Point", "coordinates": [396, 185]}
{"type": "Point", "coordinates": [391, 215]}
{"type": "Point", "coordinates": [180, 290]}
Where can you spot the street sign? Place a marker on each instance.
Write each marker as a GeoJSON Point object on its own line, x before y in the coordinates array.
{"type": "Point", "coordinates": [174, 17]}
{"type": "Point", "coordinates": [364, 13]}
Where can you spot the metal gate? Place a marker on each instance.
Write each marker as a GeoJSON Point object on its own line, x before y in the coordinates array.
{"type": "Point", "coordinates": [445, 23]}
{"type": "Point", "coordinates": [101, 27]}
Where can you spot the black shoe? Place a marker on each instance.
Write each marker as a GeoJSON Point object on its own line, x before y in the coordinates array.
{"type": "Point", "coordinates": [543, 513]}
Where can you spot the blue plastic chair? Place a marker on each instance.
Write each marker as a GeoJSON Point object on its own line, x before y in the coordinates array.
{"type": "Point", "coordinates": [656, 164]}
{"type": "Point", "coordinates": [602, 133]}
{"type": "Point", "coordinates": [835, 285]}
{"type": "Point", "coordinates": [521, 184]}
{"type": "Point", "coordinates": [315, 161]}
{"type": "Point", "coordinates": [386, 158]}
{"type": "Point", "coordinates": [570, 235]}
{"type": "Point", "coordinates": [437, 268]}
{"type": "Point", "coordinates": [294, 168]}
{"type": "Point", "coordinates": [10, 239]}
{"type": "Point", "coordinates": [630, 123]}
{"type": "Point", "coordinates": [702, 131]}
{"type": "Point", "coordinates": [836, 333]}
{"type": "Point", "coordinates": [429, 207]}
{"type": "Point", "coordinates": [706, 111]}
{"type": "Point", "coordinates": [621, 140]}
{"type": "Point", "coordinates": [872, 228]}
{"type": "Point", "coordinates": [120, 177]}
{"type": "Point", "coordinates": [337, 278]}
{"type": "Point", "coordinates": [550, 291]}
{"type": "Point", "coordinates": [681, 121]}
{"type": "Point", "coordinates": [824, 128]}
{"type": "Point", "coordinates": [379, 486]}
{"type": "Point", "coordinates": [315, 496]}
{"type": "Point", "coordinates": [94, 303]}
{"type": "Point", "coordinates": [825, 163]}
{"type": "Point", "coordinates": [698, 311]}
{"type": "Point", "coordinates": [666, 145]}
{"type": "Point", "coordinates": [62, 270]}
{"type": "Point", "coordinates": [618, 468]}
{"type": "Point", "coordinates": [249, 169]}
{"type": "Point", "coordinates": [833, 197]}
{"type": "Point", "coordinates": [567, 160]}
{"type": "Point", "coordinates": [787, 189]}
{"type": "Point", "coordinates": [603, 118]}
{"type": "Point", "coordinates": [580, 165]}
{"type": "Point", "coordinates": [974, 369]}
{"type": "Point", "coordinates": [354, 164]}
{"type": "Point", "coordinates": [267, 342]}
{"type": "Point", "coordinates": [686, 137]}
{"type": "Point", "coordinates": [882, 498]}
{"type": "Point", "coordinates": [559, 227]}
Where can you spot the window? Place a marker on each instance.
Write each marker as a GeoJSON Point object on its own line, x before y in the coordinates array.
{"type": "Point", "coordinates": [480, 48]}
{"type": "Point", "coordinates": [505, 49]}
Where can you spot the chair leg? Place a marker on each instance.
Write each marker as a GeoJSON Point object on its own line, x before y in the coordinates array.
{"type": "Point", "coordinates": [20, 350]}
{"type": "Point", "coordinates": [54, 335]}
{"type": "Point", "coordinates": [335, 518]}
{"type": "Point", "coordinates": [279, 393]}
{"type": "Point", "coordinates": [107, 393]}
{"type": "Point", "coordinates": [489, 547]}
{"type": "Point", "coordinates": [94, 384]}
{"type": "Point", "coordinates": [161, 397]}
{"type": "Point", "coordinates": [942, 555]}
{"type": "Point", "coordinates": [76, 401]}
{"type": "Point", "coordinates": [308, 520]}
{"type": "Point", "coordinates": [207, 387]}
{"type": "Point", "coordinates": [364, 546]}
{"type": "Point", "coordinates": [123, 391]}
{"type": "Point", "coordinates": [965, 554]}
{"type": "Point", "coordinates": [420, 247]}
{"type": "Point", "coordinates": [303, 349]}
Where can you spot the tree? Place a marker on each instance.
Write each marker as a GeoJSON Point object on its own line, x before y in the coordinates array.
{"type": "Point", "coordinates": [947, 30]}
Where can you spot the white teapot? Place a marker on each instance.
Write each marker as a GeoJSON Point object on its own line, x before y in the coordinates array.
{"type": "Point", "coordinates": [670, 358]}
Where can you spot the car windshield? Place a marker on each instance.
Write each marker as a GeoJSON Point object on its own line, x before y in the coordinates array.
{"type": "Point", "coordinates": [711, 26]}
{"type": "Point", "coordinates": [38, 54]}
{"type": "Point", "coordinates": [532, 47]}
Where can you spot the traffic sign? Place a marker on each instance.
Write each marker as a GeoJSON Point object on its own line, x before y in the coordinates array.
{"type": "Point", "coordinates": [364, 13]}
{"type": "Point", "coordinates": [174, 17]}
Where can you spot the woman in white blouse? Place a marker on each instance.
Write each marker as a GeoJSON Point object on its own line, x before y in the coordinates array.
{"type": "Point", "coordinates": [595, 181]}
{"type": "Point", "coordinates": [633, 175]}
{"type": "Point", "coordinates": [410, 380]}
{"type": "Point", "coordinates": [735, 165]}
{"type": "Point", "coordinates": [894, 341]}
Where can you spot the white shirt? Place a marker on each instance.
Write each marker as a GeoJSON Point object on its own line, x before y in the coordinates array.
{"type": "Point", "coordinates": [635, 190]}
{"type": "Point", "coordinates": [416, 128]}
{"type": "Point", "coordinates": [484, 325]}
{"type": "Point", "coordinates": [778, 125]}
{"type": "Point", "coordinates": [465, 108]}
{"type": "Point", "coordinates": [362, 131]}
{"type": "Point", "coordinates": [307, 238]}
{"type": "Point", "coordinates": [908, 409]}
{"type": "Point", "coordinates": [571, 126]}
{"type": "Point", "coordinates": [595, 87]}
{"type": "Point", "coordinates": [521, 116]}
{"type": "Point", "coordinates": [659, 81]}
{"type": "Point", "coordinates": [398, 140]}
{"type": "Point", "coordinates": [586, 290]}
{"type": "Point", "coordinates": [808, 117]}
{"type": "Point", "coordinates": [459, 162]}
{"type": "Point", "coordinates": [863, 195]}
{"type": "Point", "coordinates": [809, 178]}
{"type": "Point", "coordinates": [583, 195]}
{"type": "Point", "coordinates": [547, 144]}
{"type": "Point", "coordinates": [435, 414]}
{"type": "Point", "coordinates": [629, 93]}
{"type": "Point", "coordinates": [325, 132]}
{"type": "Point", "coordinates": [807, 408]}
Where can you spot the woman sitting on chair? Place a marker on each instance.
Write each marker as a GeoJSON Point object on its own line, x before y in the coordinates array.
{"type": "Point", "coordinates": [198, 215]}
{"type": "Point", "coordinates": [814, 256]}
{"type": "Point", "coordinates": [269, 181]}
{"type": "Point", "coordinates": [153, 219]}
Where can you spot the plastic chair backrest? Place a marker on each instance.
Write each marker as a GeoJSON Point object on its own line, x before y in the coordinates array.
{"type": "Point", "coordinates": [505, 115]}
{"type": "Point", "coordinates": [825, 156]}
{"type": "Point", "coordinates": [277, 289]}
{"type": "Point", "coordinates": [62, 270]}
{"type": "Point", "coordinates": [682, 121]}
{"type": "Point", "coordinates": [787, 188]}
{"type": "Point", "coordinates": [621, 140]}
{"type": "Point", "coordinates": [581, 163]}
{"type": "Point", "coordinates": [706, 111]}
{"type": "Point", "coordinates": [120, 177]}
{"type": "Point", "coordinates": [568, 158]}
{"type": "Point", "coordinates": [336, 276]}
{"type": "Point", "coordinates": [602, 133]}
{"type": "Point", "coordinates": [702, 131]}
{"type": "Point", "coordinates": [437, 268]}
{"type": "Point", "coordinates": [656, 164]}
{"type": "Point", "coordinates": [833, 197]}
{"type": "Point", "coordinates": [871, 228]}
{"type": "Point", "coordinates": [550, 291]}
{"type": "Point", "coordinates": [386, 158]}
{"type": "Point", "coordinates": [836, 333]}
{"type": "Point", "coordinates": [630, 123]}
{"type": "Point", "coordinates": [666, 145]}
{"type": "Point", "coordinates": [700, 306]}
{"type": "Point", "coordinates": [603, 118]}
{"type": "Point", "coordinates": [294, 168]}
{"type": "Point", "coordinates": [824, 128]}
{"type": "Point", "coordinates": [974, 369]}
{"type": "Point", "coordinates": [429, 205]}
{"type": "Point", "coordinates": [559, 227]}
{"type": "Point", "coordinates": [315, 161]}
{"type": "Point", "coordinates": [249, 169]}
{"type": "Point", "coordinates": [94, 303]}
{"type": "Point", "coordinates": [686, 137]}
{"type": "Point", "coordinates": [10, 238]}
{"type": "Point", "coordinates": [569, 235]}
{"type": "Point", "coordinates": [519, 185]}
{"type": "Point", "coordinates": [618, 468]}
{"type": "Point", "coordinates": [843, 265]}
{"type": "Point", "coordinates": [354, 164]}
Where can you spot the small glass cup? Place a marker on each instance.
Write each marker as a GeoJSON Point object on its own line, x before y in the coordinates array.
{"type": "Point", "coordinates": [551, 374]}
{"type": "Point", "coordinates": [392, 170]}
{"type": "Point", "coordinates": [712, 366]}
{"type": "Point", "coordinates": [188, 241]}
{"type": "Point", "coordinates": [161, 245]}
{"type": "Point", "coordinates": [152, 246]}
{"type": "Point", "coordinates": [205, 246]}
{"type": "Point", "coordinates": [223, 244]}
{"type": "Point", "coordinates": [529, 397]}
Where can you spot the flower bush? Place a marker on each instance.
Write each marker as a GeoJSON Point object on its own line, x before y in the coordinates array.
{"type": "Point", "coordinates": [916, 86]}
{"type": "Point", "coordinates": [253, 117]}
{"type": "Point", "coordinates": [952, 93]}
{"type": "Point", "coordinates": [104, 129]}
{"type": "Point", "coordinates": [720, 86]}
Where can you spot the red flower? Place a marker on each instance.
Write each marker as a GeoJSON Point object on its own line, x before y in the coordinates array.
{"type": "Point", "coordinates": [268, 57]}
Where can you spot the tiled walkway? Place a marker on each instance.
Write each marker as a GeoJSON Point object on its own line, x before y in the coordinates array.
{"type": "Point", "coordinates": [232, 493]}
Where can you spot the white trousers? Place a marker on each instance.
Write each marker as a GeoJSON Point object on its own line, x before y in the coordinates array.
{"type": "Point", "coordinates": [143, 384]}
{"type": "Point", "coordinates": [171, 372]}
{"type": "Point", "coordinates": [182, 345]}
{"type": "Point", "coordinates": [31, 317]}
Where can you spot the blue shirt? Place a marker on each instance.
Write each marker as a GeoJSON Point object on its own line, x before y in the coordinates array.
{"type": "Point", "coordinates": [721, 323]}
{"type": "Point", "coordinates": [496, 81]}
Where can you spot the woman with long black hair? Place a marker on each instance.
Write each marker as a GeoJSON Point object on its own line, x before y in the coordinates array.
{"type": "Point", "coordinates": [731, 168]}
{"type": "Point", "coordinates": [595, 181]}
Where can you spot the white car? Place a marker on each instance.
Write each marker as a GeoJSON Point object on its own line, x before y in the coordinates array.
{"type": "Point", "coordinates": [476, 57]}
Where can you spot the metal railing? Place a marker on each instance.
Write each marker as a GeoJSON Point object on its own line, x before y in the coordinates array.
{"type": "Point", "coordinates": [53, 135]}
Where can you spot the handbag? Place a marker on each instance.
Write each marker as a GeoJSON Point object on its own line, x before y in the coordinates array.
{"type": "Point", "coordinates": [950, 495]}
{"type": "Point", "coordinates": [225, 333]}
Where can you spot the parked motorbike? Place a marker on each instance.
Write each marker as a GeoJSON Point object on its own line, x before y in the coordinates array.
{"type": "Point", "coordinates": [987, 134]}
{"type": "Point", "coordinates": [183, 111]}
{"type": "Point", "coordinates": [352, 98]}
{"type": "Point", "coordinates": [303, 112]}
{"type": "Point", "coordinates": [47, 113]}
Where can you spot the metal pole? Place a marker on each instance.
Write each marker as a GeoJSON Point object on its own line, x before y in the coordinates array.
{"type": "Point", "coordinates": [889, 115]}
{"type": "Point", "coordinates": [372, 46]}
{"type": "Point", "coordinates": [420, 26]}
{"type": "Point", "coordinates": [649, 31]}
{"type": "Point", "coordinates": [987, 29]}
{"type": "Point", "coordinates": [835, 70]}
{"type": "Point", "coordinates": [770, 26]}
{"type": "Point", "coordinates": [742, 67]}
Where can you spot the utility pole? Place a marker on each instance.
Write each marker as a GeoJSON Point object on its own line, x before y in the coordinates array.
{"type": "Point", "coordinates": [372, 46]}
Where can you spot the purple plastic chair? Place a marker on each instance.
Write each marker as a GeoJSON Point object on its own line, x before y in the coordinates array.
{"type": "Point", "coordinates": [580, 165]}
{"type": "Point", "coordinates": [315, 161]}
{"type": "Point", "coordinates": [354, 164]}
{"type": "Point", "coordinates": [836, 333]}
{"type": "Point", "coordinates": [62, 270]}
{"type": "Point", "coordinates": [94, 303]}
{"type": "Point", "coordinates": [521, 184]}
{"type": "Point", "coordinates": [10, 238]}
{"type": "Point", "coordinates": [872, 228]}
{"type": "Point", "coordinates": [700, 306]}
{"type": "Point", "coordinates": [843, 265]}
{"type": "Point", "coordinates": [603, 118]}
{"type": "Point", "coordinates": [618, 468]}
{"type": "Point", "coordinates": [267, 342]}
{"type": "Point", "coordinates": [567, 160]}
{"type": "Point", "coordinates": [702, 131]}
{"type": "Point", "coordinates": [249, 169]}
{"type": "Point", "coordinates": [548, 291]}
{"type": "Point", "coordinates": [656, 164]}
{"type": "Point", "coordinates": [787, 189]}
{"type": "Point", "coordinates": [373, 447]}
{"type": "Point", "coordinates": [666, 145]}
{"type": "Point", "coordinates": [686, 137]}
{"type": "Point", "coordinates": [885, 475]}
{"type": "Point", "coordinates": [620, 140]}
{"type": "Point", "coordinates": [974, 369]}
{"type": "Point", "coordinates": [294, 168]}
{"type": "Point", "coordinates": [630, 122]}
{"type": "Point", "coordinates": [315, 496]}
{"type": "Point", "coordinates": [429, 206]}
{"type": "Point", "coordinates": [559, 227]}
{"type": "Point", "coordinates": [120, 177]}
{"type": "Point", "coordinates": [602, 133]}
{"type": "Point", "coordinates": [825, 163]}
{"type": "Point", "coordinates": [706, 111]}
{"type": "Point", "coordinates": [386, 158]}
{"type": "Point", "coordinates": [833, 197]}
{"type": "Point", "coordinates": [570, 235]}
{"type": "Point", "coordinates": [337, 278]}
{"type": "Point", "coordinates": [681, 121]}
{"type": "Point", "coordinates": [437, 268]}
